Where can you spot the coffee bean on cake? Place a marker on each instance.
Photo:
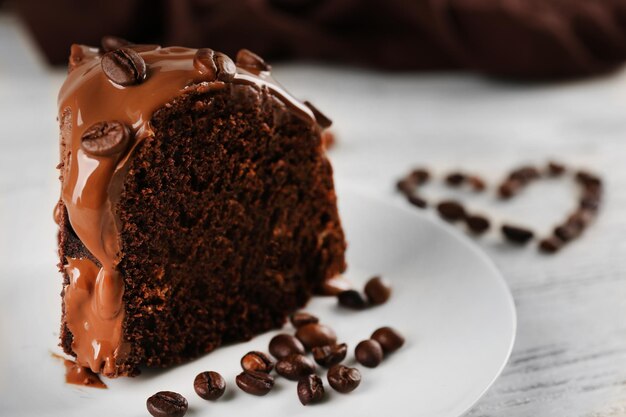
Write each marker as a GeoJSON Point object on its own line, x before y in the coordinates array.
{"type": "Point", "coordinates": [124, 66]}
{"type": "Point", "coordinates": [312, 335]}
{"type": "Point", "coordinates": [105, 138]}
{"type": "Point", "coordinates": [167, 404]}
{"type": "Point", "coordinates": [343, 379]}
{"type": "Point", "coordinates": [209, 385]}
{"type": "Point", "coordinates": [251, 61]}
{"type": "Point", "coordinates": [310, 389]}
{"type": "Point", "coordinates": [377, 290]}
{"type": "Point", "coordinates": [255, 383]}
{"type": "Point", "coordinates": [283, 345]}
{"type": "Point", "coordinates": [369, 353]}
{"type": "Point", "coordinates": [257, 361]}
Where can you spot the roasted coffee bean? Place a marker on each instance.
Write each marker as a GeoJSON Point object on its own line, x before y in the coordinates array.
{"type": "Point", "coordinates": [377, 290]}
{"type": "Point", "coordinates": [369, 353]}
{"type": "Point", "coordinates": [167, 404]}
{"type": "Point", "coordinates": [226, 68]}
{"type": "Point", "coordinates": [214, 65]}
{"type": "Point", "coordinates": [124, 66]}
{"type": "Point", "coordinates": [550, 244]}
{"type": "Point", "coordinates": [283, 345]}
{"type": "Point", "coordinates": [352, 299]}
{"type": "Point", "coordinates": [77, 56]}
{"type": "Point", "coordinates": [406, 186]}
{"type": "Point", "coordinates": [477, 224]}
{"type": "Point", "coordinates": [255, 383]}
{"type": "Point", "coordinates": [516, 234]}
{"type": "Point", "coordinates": [455, 179]}
{"type": "Point", "coordinates": [249, 60]}
{"type": "Point", "coordinates": [567, 232]}
{"type": "Point", "coordinates": [209, 385]}
{"type": "Point", "coordinates": [509, 188]}
{"type": "Point", "coordinates": [525, 174]}
{"type": "Point", "coordinates": [343, 379]}
{"type": "Point", "coordinates": [320, 117]}
{"type": "Point", "coordinates": [419, 176]}
{"type": "Point", "coordinates": [105, 138]}
{"type": "Point", "coordinates": [555, 169]}
{"type": "Point", "coordinates": [310, 389]}
{"type": "Point", "coordinates": [451, 210]}
{"type": "Point", "coordinates": [111, 43]}
{"type": "Point", "coordinates": [476, 183]}
{"type": "Point", "coordinates": [295, 366]}
{"type": "Point", "coordinates": [417, 201]}
{"type": "Point", "coordinates": [301, 318]}
{"type": "Point", "coordinates": [330, 354]}
{"type": "Point", "coordinates": [589, 203]}
{"type": "Point", "coordinates": [587, 179]}
{"type": "Point", "coordinates": [388, 338]}
{"type": "Point", "coordinates": [257, 362]}
{"type": "Point", "coordinates": [312, 335]}
{"type": "Point", "coordinates": [581, 218]}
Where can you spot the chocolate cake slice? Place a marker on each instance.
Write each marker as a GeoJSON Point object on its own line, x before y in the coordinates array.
{"type": "Point", "coordinates": [197, 204]}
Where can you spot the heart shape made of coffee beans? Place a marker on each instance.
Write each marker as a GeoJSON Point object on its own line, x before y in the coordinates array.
{"type": "Point", "coordinates": [453, 211]}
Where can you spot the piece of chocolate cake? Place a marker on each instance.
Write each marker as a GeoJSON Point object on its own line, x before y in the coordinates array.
{"type": "Point", "coordinates": [197, 204]}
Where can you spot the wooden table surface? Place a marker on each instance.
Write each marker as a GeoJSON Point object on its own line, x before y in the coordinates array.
{"type": "Point", "coordinates": [570, 354]}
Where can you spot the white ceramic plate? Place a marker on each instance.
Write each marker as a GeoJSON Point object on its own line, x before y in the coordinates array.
{"type": "Point", "coordinates": [449, 301]}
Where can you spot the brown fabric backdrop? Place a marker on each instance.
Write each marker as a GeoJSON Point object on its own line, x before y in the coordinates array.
{"type": "Point", "coordinates": [513, 38]}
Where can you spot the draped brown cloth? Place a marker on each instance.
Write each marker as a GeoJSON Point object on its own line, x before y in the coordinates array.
{"type": "Point", "coordinates": [527, 39]}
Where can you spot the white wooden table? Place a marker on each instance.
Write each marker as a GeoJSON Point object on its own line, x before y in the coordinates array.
{"type": "Point", "coordinates": [570, 355]}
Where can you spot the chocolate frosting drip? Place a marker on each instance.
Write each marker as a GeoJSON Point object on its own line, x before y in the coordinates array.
{"type": "Point", "coordinates": [92, 181]}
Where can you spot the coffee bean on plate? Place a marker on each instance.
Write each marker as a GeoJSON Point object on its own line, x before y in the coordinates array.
{"type": "Point", "coordinates": [517, 234]}
{"type": "Point", "coordinates": [105, 138]}
{"type": "Point", "coordinates": [417, 201]}
{"type": "Point", "coordinates": [451, 210]}
{"type": "Point", "coordinates": [167, 404]}
{"type": "Point", "coordinates": [283, 345]}
{"type": "Point", "coordinates": [301, 318]}
{"type": "Point", "coordinates": [369, 353]}
{"type": "Point", "coordinates": [330, 354]}
{"type": "Point", "coordinates": [550, 244]}
{"type": "Point", "coordinates": [310, 389]}
{"type": "Point", "coordinates": [477, 224]}
{"type": "Point", "coordinates": [389, 339]}
{"type": "Point", "coordinates": [255, 383]}
{"type": "Point", "coordinates": [111, 43]}
{"type": "Point", "coordinates": [124, 66]}
{"type": "Point", "coordinates": [351, 299]}
{"type": "Point", "coordinates": [377, 290]}
{"type": "Point", "coordinates": [455, 179]}
{"type": "Point", "coordinates": [343, 379]}
{"type": "Point", "coordinates": [312, 335]}
{"type": "Point", "coordinates": [257, 361]}
{"type": "Point", "coordinates": [209, 385]}
{"type": "Point", "coordinates": [295, 366]}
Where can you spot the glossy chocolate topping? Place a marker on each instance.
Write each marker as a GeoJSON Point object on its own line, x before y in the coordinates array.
{"type": "Point", "coordinates": [103, 118]}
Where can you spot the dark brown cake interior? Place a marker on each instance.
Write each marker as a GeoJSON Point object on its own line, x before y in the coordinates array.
{"type": "Point", "coordinates": [228, 223]}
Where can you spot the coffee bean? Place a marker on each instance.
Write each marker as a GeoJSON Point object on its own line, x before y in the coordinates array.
{"type": "Point", "coordinates": [406, 186]}
{"type": "Point", "coordinates": [509, 188]}
{"type": "Point", "coordinates": [550, 244]}
{"type": "Point", "coordinates": [77, 55]}
{"type": "Point", "coordinates": [299, 319]}
{"type": "Point", "coordinates": [369, 353]}
{"type": "Point", "coordinates": [226, 68]}
{"type": "Point", "coordinates": [255, 383]}
{"type": "Point", "coordinates": [555, 169]}
{"type": "Point", "coordinates": [517, 234]}
{"type": "Point", "coordinates": [283, 345]}
{"type": "Point", "coordinates": [204, 62]}
{"type": "Point", "coordinates": [124, 66]}
{"type": "Point", "coordinates": [111, 43]}
{"type": "Point", "coordinates": [352, 299]}
{"type": "Point", "coordinates": [377, 290]}
{"type": "Point", "coordinates": [581, 218]}
{"type": "Point", "coordinates": [105, 138]}
{"type": "Point", "coordinates": [251, 61]}
{"type": "Point", "coordinates": [417, 201]}
{"type": "Point", "coordinates": [388, 338]}
{"type": "Point", "coordinates": [209, 385]}
{"type": "Point", "coordinates": [310, 389]}
{"type": "Point", "coordinates": [525, 174]}
{"type": "Point", "coordinates": [455, 179]}
{"type": "Point", "coordinates": [320, 117]}
{"type": "Point", "coordinates": [451, 210]}
{"type": "Point", "coordinates": [312, 335]}
{"type": "Point", "coordinates": [295, 366]}
{"type": "Point", "coordinates": [257, 362]}
{"type": "Point", "coordinates": [567, 232]}
{"type": "Point", "coordinates": [167, 404]}
{"type": "Point", "coordinates": [419, 176]}
{"type": "Point", "coordinates": [330, 354]}
{"type": "Point", "coordinates": [477, 224]}
{"type": "Point", "coordinates": [587, 179]}
{"type": "Point", "coordinates": [589, 203]}
{"type": "Point", "coordinates": [476, 183]}
{"type": "Point", "coordinates": [343, 379]}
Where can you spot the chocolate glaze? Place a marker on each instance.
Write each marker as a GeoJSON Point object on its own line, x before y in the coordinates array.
{"type": "Point", "coordinates": [91, 184]}
{"type": "Point", "coordinates": [78, 375]}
